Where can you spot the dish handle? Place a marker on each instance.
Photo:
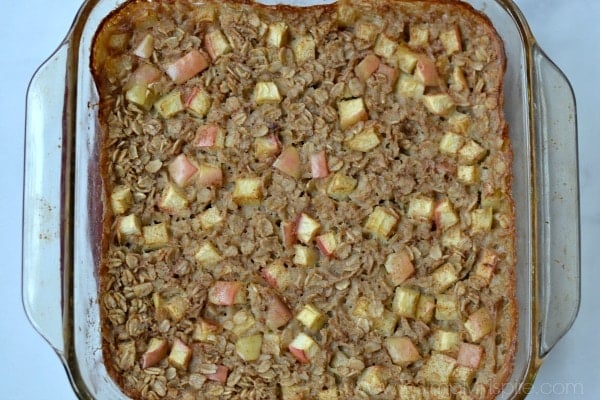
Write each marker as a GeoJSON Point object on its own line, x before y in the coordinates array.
{"type": "Point", "coordinates": [558, 201]}
{"type": "Point", "coordinates": [44, 206]}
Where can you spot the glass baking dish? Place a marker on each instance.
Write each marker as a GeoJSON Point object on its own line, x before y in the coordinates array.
{"type": "Point", "coordinates": [63, 200]}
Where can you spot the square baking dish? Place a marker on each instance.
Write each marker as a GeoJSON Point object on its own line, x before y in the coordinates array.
{"type": "Point", "coordinates": [63, 208]}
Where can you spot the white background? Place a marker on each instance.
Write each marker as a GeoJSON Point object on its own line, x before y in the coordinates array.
{"type": "Point", "coordinates": [568, 30]}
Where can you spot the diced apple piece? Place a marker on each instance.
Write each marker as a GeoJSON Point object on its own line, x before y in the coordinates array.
{"type": "Point", "coordinates": [453, 237]}
{"type": "Point", "coordinates": [327, 243]}
{"type": "Point", "coordinates": [367, 67]}
{"type": "Point", "coordinates": [341, 186]}
{"type": "Point", "coordinates": [446, 308]}
{"type": "Point", "coordinates": [364, 141]}
{"type": "Point", "coordinates": [145, 48]}
{"type": "Point", "coordinates": [248, 191]}
{"type": "Point", "coordinates": [175, 307]}
{"type": "Point", "coordinates": [267, 146]}
{"type": "Point", "coordinates": [420, 208]}
{"type": "Point", "coordinates": [406, 59]}
{"type": "Point", "coordinates": [248, 348]}
{"type": "Point", "coordinates": [210, 135]}
{"type": "Point", "coordinates": [485, 266]}
{"type": "Point", "coordinates": [220, 375]}
{"type": "Point", "coordinates": [463, 376]}
{"type": "Point", "coordinates": [216, 44]}
{"type": "Point", "coordinates": [402, 350]}
{"type": "Point", "coordinates": [493, 199]}
{"type": "Point", "coordinates": [304, 49]}
{"type": "Point", "coordinates": [304, 256]}
{"type": "Point", "coordinates": [208, 255]}
{"type": "Point", "coordinates": [206, 331]}
{"type": "Point", "coordinates": [157, 350]}
{"type": "Point", "coordinates": [352, 111]}
{"type": "Point", "coordinates": [303, 347]}
{"type": "Point", "coordinates": [288, 233]}
{"type": "Point", "coordinates": [386, 324]}
{"type": "Point", "coordinates": [482, 219]}
{"type": "Point", "coordinates": [409, 87]}
{"type": "Point", "coordinates": [243, 320]}
{"type": "Point", "coordinates": [328, 394]}
{"type": "Point", "coordinates": [181, 170]}
{"type": "Point", "coordinates": [408, 392]}
{"type": "Point", "coordinates": [288, 162]}
{"type": "Point", "coordinates": [469, 355]}
{"type": "Point", "coordinates": [209, 175]}
{"type": "Point", "coordinates": [399, 266]}
{"type": "Point", "coordinates": [198, 102]}
{"type": "Point", "coordinates": [188, 66]}
{"type": "Point", "coordinates": [140, 95]}
{"type": "Point", "coordinates": [311, 317]}
{"type": "Point", "coordinates": [390, 72]}
{"type": "Point", "coordinates": [277, 34]}
{"type": "Point", "coordinates": [468, 174]}
{"type": "Point", "coordinates": [121, 199]}
{"type": "Point", "coordinates": [210, 218]}
{"type": "Point", "coordinates": [419, 35]}
{"type": "Point", "coordinates": [346, 14]}
{"type": "Point", "coordinates": [373, 380]}
{"type": "Point", "coordinates": [277, 314]}
{"type": "Point", "coordinates": [405, 302]}
{"type": "Point", "coordinates": [180, 355]}
{"type": "Point", "coordinates": [227, 293]}
{"type": "Point", "coordinates": [366, 31]}
{"type": "Point", "coordinates": [318, 165]}
{"type": "Point", "coordinates": [479, 324]}
{"type": "Point", "coordinates": [444, 341]}
{"type": "Point", "coordinates": [425, 308]}
{"type": "Point", "coordinates": [471, 153]}
{"type": "Point", "coordinates": [439, 104]}
{"type": "Point", "coordinates": [426, 72]}
{"type": "Point", "coordinates": [169, 105]}
{"type": "Point", "coordinates": [437, 370]}
{"type": "Point", "coordinates": [444, 215]}
{"type": "Point", "coordinates": [156, 236]}
{"type": "Point", "coordinates": [444, 277]}
{"type": "Point", "coordinates": [173, 200]}
{"type": "Point", "coordinates": [276, 275]}
{"type": "Point", "coordinates": [381, 222]}
{"type": "Point", "coordinates": [451, 143]}
{"type": "Point", "coordinates": [460, 122]}
{"type": "Point", "coordinates": [306, 228]}
{"type": "Point", "coordinates": [451, 40]}
{"type": "Point", "coordinates": [385, 47]}
{"type": "Point", "coordinates": [361, 307]}
{"type": "Point", "coordinates": [266, 93]}
{"type": "Point", "coordinates": [144, 75]}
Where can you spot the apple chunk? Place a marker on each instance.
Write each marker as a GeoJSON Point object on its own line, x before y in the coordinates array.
{"type": "Point", "coordinates": [451, 143]}
{"type": "Point", "coordinates": [304, 49]}
{"type": "Point", "coordinates": [444, 341]}
{"type": "Point", "coordinates": [181, 170]}
{"type": "Point", "coordinates": [198, 102]}
{"type": "Point", "coordinates": [208, 255]}
{"type": "Point", "coordinates": [444, 215]}
{"type": "Point", "coordinates": [364, 141]}
{"type": "Point", "coordinates": [170, 105]}
{"type": "Point", "coordinates": [451, 40]}
{"type": "Point", "coordinates": [141, 95]}
{"type": "Point", "coordinates": [341, 186]}
{"type": "Point", "coordinates": [209, 175]}
{"type": "Point", "coordinates": [327, 243]}
{"type": "Point", "coordinates": [399, 267]}
{"type": "Point", "coordinates": [277, 275]}
{"type": "Point", "coordinates": [206, 331]}
{"type": "Point", "coordinates": [385, 47]}
{"type": "Point", "coordinates": [128, 227]}
{"type": "Point", "coordinates": [381, 222]}
{"type": "Point", "coordinates": [220, 375]}
{"type": "Point", "coordinates": [277, 314]}
{"type": "Point", "coordinates": [216, 44]}
{"type": "Point", "coordinates": [248, 348]}
{"type": "Point", "coordinates": [173, 200]}
{"type": "Point", "coordinates": [402, 350]}
{"type": "Point", "coordinates": [266, 93]}
{"type": "Point", "coordinates": [352, 111]}
{"type": "Point", "coordinates": [303, 347]}
{"type": "Point", "coordinates": [248, 191]}
{"type": "Point", "coordinates": [304, 256]}
{"type": "Point", "coordinates": [210, 218]}
{"type": "Point", "coordinates": [227, 293]}
{"type": "Point", "coordinates": [311, 317]}
{"type": "Point", "coordinates": [373, 380]}
{"type": "Point", "coordinates": [306, 228]}
{"type": "Point", "coordinates": [288, 162]}
{"type": "Point", "coordinates": [187, 66]}
{"type": "Point", "coordinates": [318, 165]}
{"type": "Point", "coordinates": [444, 277]}
{"type": "Point", "coordinates": [420, 208]}
{"type": "Point", "coordinates": [367, 67]}
{"type": "Point", "coordinates": [439, 104]}
{"type": "Point", "coordinates": [469, 355]}
{"type": "Point", "coordinates": [426, 72]}
{"type": "Point", "coordinates": [180, 355]}
{"type": "Point", "coordinates": [277, 34]}
{"type": "Point", "coordinates": [157, 350]}
{"type": "Point", "coordinates": [437, 369]}
{"type": "Point", "coordinates": [266, 146]}
{"type": "Point", "coordinates": [209, 136]}
{"type": "Point", "coordinates": [479, 324]}
{"type": "Point", "coordinates": [156, 236]}
{"type": "Point", "coordinates": [405, 302]}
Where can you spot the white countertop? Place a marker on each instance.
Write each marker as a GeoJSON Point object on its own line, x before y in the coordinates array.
{"type": "Point", "coordinates": [569, 32]}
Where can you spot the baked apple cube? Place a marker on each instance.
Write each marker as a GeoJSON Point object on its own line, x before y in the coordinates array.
{"type": "Point", "coordinates": [277, 275]}
{"type": "Point", "coordinates": [267, 146]}
{"type": "Point", "coordinates": [364, 141]}
{"type": "Point", "coordinates": [210, 136]}
{"type": "Point", "coordinates": [451, 40]}
{"type": "Point", "coordinates": [181, 170]}
{"type": "Point", "coordinates": [399, 267]}
{"type": "Point", "coordinates": [209, 175]}
{"type": "Point", "coordinates": [121, 199]}
{"type": "Point", "coordinates": [485, 266]}
{"type": "Point", "coordinates": [409, 87]}
{"type": "Point", "coordinates": [341, 186]}
{"type": "Point", "coordinates": [437, 370]}
{"type": "Point", "coordinates": [304, 49]}
{"type": "Point", "coordinates": [373, 380]}
{"type": "Point", "coordinates": [439, 104]}
{"type": "Point", "coordinates": [346, 15]}
{"type": "Point", "coordinates": [453, 237]}
{"type": "Point", "coordinates": [366, 31]}
{"type": "Point", "coordinates": [451, 143]}
{"type": "Point", "coordinates": [277, 314]}
{"type": "Point", "coordinates": [141, 95]}
{"type": "Point", "coordinates": [390, 72]}
{"type": "Point", "coordinates": [469, 355]}
{"type": "Point", "coordinates": [175, 307]}
{"type": "Point", "coordinates": [311, 317]}
{"type": "Point", "coordinates": [170, 105]}
{"type": "Point", "coordinates": [180, 355]}
{"type": "Point", "coordinates": [425, 308]}
{"type": "Point", "coordinates": [463, 376]}
{"type": "Point", "coordinates": [385, 47]}
{"type": "Point", "coordinates": [479, 324]}
{"type": "Point", "coordinates": [248, 348]}
{"type": "Point", "coordinates": [419, 35]}
{"type": "Point", "coordinates": [446, 308]}
{"type": "Point", "coordinates": [157, 350]}
{"type": "Point", "coordinates": [220, 375]}
{"type": "Point", "coordinates": [243, 321]}
{"type": "Point", "coordinates": [386, 324]}
{"type": "Point", "coordinates": [145, 48]}
{"type": "Point", "coordinates": [493, 199]}
{"type": "Point", "coordinates": [303, 347]}
{"type": "Point", "coordinates": [352, 111]}
{"type": "Point", "coordinates": [361, 307]}
{"type": "Point", "coordinates": [444, 341]}
{"type": "Point", "coordinates": [444, 215]}
{"type": "Point", "coordinates": [444, 277]}
{"type": "Point", "coordinates": [367, 67]}
{"type": "Point", "coordinates": [210, 218]}
{"type": "Point", "coordinates": [420, 208]}
{"type": "Point", "coordinates": [327, 243]}
{"type": "Point", "coordinates": [156, 236]}
{"type": "Point", "coordinates": [208, 255]}
{"type": "Point", "coordinates": [266, 93]}
{"type": "Point", "coordinates": [216, 44]}
{"type": "Point", "coordinates": [306, 228]}
{"type": "Point", "coordinates": [460, 122]}
{"type": "Point", "coordinates": [381, 222]}
{"type": "Point", "coordinates": [328, 394]}
{"type": "Point", "coordinates": [288, 162]}
{"type": "Point", "coordinates": [277, 34]}
{"type": "Point", "coordinates": [304, 256]}
{"type": "Point", "coordinates": [468, 174]}
{"type": "Point", "coordinates": [248, 192]}
{"type": "Point", "coordinates": [426, 72]}
{"type": "Point", "coordinates": [405, 302]}
{"type": "Point", "coordinates": [288, 233]}
{"type": "Point", "coordinates": [145, 74]}
{"type": "Point", "coordinates": [227, 293]}
{"type": "Point", "coordinates": [406, 59]}
{"type": "Point", "coordinates": [318, 165]}
{"type": "Point", "coordinates": [482, 219]}
{"type": "Point", "coordinates": [173, 200]}
{"type": "Point", "coordinates": [206, 331]}
{"type": "Point", "coordinates": [198, 102]}
{"type": "Point", "coordinates": [402, 350]}
{"type": "Point", "coordinates": [471, 153]}
{"type": "Point", "coordinates": [409, 392]}
{"type": "Point", "coordinates": [188, 66]}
